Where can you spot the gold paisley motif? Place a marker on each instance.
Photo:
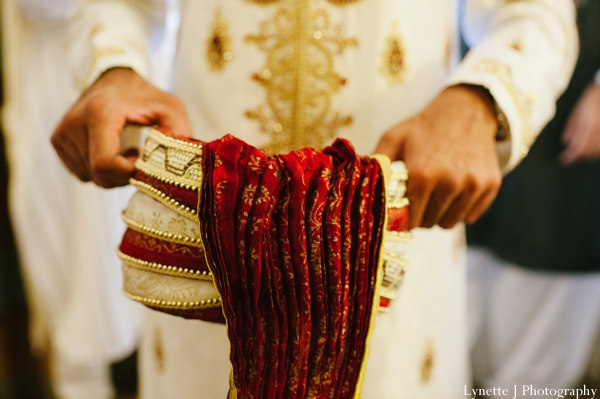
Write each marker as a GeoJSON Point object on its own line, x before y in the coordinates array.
{"type": "Point", "coordinates": [428, 362]}
{"type": "Point", "coordinates": [159, 355]}
{"type": "Point", "coordinates": [299, 77]}
{"type": "Point", "coordinates": [394, 58]}
{"type": "Point", "coordinates": [218, 45]}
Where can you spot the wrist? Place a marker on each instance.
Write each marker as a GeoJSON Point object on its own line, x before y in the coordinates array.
{"type": "Point", "coordinates": [478, 101]}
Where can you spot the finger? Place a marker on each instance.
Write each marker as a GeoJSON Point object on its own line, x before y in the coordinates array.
{"type": "Point", "coordinates": [418, 192]}
{"type": "Point", "coordinates": [482, 204]}
{"type": "Point", "coordinates": [458, 210]}
{"type": "Point", "coordinates": [571, 127]}
{"type": "Point", "coordinates": [390, 145]}
{"type": "Point", "coordinates": [73, 164]}
{"type": "Point", "coordinates": [71, 146]}
{"type": "Point", "coordinates": [108, 167]}
{"type": "Point", "coordinates": [439, 203]}
{"type": "Point", "coordinates": [574, 149]}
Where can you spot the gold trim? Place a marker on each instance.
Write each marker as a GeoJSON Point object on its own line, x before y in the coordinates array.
{"type": "Point", "coordinates": [397, 236]}
{"type": "Point", "coordinates": [384, 162]}
{"type": "Point", "coordinates": [167, 141]}
{"type": "Point", "coordinates": [165, 269]}
{"type": "Point", "coordinates": [204, 304]}
{"type": "Point", "coordinates": [523, 102]}
{"type": "Point", "coordinates": [163, 176]}
{"type": "Point", "coordinates": [163, 235]}
{"type": "Point", "coordinates": [164, 199]}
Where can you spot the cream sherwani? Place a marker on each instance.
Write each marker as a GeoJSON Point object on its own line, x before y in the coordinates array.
{"type": "Point", "coordinates": [283, 74]}
{"type": "Point", "coordinates": [66, 231]}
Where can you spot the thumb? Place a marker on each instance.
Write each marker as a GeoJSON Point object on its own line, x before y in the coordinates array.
{"type": "Point", "coordinates": [391, 144]}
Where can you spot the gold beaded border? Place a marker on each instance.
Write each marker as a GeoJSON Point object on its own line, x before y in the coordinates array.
{"type": "Point", "coordinates": [176, 238]}
{"type": "Point", "coordinates": [165, 269]}
{"type": "Point", "coordinates": [204, 304]}
{"type": "Point", "coordinates": [167, 177]}
{"type": "Point", "coordinates": [164, 199]}
{"type": "Point", "coordinates": [160, 173]}
{"type": "Point", "coordinates": [174, 143]}
{"type": "Point", "coordinates": [397, 236]}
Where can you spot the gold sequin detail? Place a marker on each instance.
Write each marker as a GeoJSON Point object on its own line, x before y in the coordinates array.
{"type": "Point", "coordinates": [299, 77]}
{"type": "Point", "coordinates": [218, 44]}
{"type": "Point", "coordinates": [394, 57]}
{"type": "Point", "coordinates": [428, 363]}
{"type": "Point", "coordinates": [173, 161]}
{"type": "Point", "coordinates": [523, 102]}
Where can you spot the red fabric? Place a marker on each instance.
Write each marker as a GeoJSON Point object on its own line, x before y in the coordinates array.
{"type": "Point", "coordinates": [188, 198]}
{"type": "Point", "coordinates": [398, 219]}
{"type": "Point", "coordinates": [144, 247]}
{"type": "Point", "coordinates": [293, 241]}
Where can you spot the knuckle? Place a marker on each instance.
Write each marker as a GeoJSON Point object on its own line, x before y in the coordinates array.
{"type": "Point", "coordinates": [96, 105]}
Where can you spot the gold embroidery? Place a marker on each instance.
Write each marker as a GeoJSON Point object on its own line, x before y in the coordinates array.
{"type": "Point", "coordinates": [523, 102]}
{"type": "Point", "coordinates": [299, 76]}
{"type": "Point", "coordinates": [428, 363]}
{"type": "Point", "coordinates": [394, 60]}
{"type": "Point", "coordinates": [108, 51]}
{"type": "Point", "coordinates": [163, 235]}
{"type": "Point", "coordinates": [168, 291]}
{"type": "Point", "coordinates": [218, 45]}
{"type": "Point", "coordinates": [173, 161]}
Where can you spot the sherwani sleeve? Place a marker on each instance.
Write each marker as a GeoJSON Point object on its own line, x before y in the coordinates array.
{"type": "Point", "coordinates": [524, 53]}
{"type": "Point", "coordinates": [105, 34]}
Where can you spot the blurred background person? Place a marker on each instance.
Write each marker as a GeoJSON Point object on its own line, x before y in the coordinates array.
{"type": "Point", "coordinates": [66, 232]}
{"type": "Point", "coordinates": [534, 257]}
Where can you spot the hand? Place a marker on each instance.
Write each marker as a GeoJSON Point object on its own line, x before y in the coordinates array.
{"type": "Point", "coordinates": [582, 134]}
{"type": "Point", "coordinates": [88, 137]}
{"type": "Point", "coordinates": [449, 151]}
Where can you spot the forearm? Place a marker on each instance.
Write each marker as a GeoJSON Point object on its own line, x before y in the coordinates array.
{"type": "Point", "coordinates": [523, 52]}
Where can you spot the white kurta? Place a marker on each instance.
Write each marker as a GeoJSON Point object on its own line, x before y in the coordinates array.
{"type": "Point", "coordinates": [66, 231]}
{"type": "Point", "coordinates": [288, 73]}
